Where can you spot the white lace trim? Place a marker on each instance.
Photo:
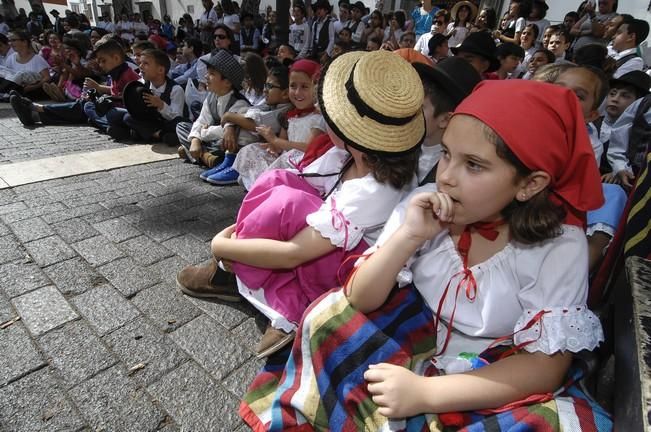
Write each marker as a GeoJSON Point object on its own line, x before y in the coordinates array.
{"type": "Point", "coordinates": [600, 227]}
{"type": "Point", "coordinates": [336, 228]}
{"type": "Point", "coordinates": [569, 328]}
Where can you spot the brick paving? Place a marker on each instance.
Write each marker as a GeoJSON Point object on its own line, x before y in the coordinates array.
{"type": "Point", "coordinates": [88, 264]}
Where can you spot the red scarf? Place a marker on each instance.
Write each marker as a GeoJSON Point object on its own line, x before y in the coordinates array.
{"type": "Point", "coordinates": [300, 112]}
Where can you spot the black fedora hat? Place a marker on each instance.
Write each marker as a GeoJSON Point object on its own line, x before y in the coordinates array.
{"type": "Point", "coordinates": [454, 76]}
{"type": "Point", "coordinates": [322, 4]}
{"type": "Point", "coordinates": [358, 5]}
{"type": "Point", "coordinates": [637, 79]}
{"type": "Point", "coordinates": [481, 44]}
{"type": "Point", "coordinates": [134, 102]}
{"type": "Point", "coordinates": [541, 3]}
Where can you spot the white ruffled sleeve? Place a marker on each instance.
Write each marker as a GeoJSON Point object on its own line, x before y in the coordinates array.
{"type": "Point", "coordinates": [554, 280]}
{"type": "Point", "coordinates": [358, 206]}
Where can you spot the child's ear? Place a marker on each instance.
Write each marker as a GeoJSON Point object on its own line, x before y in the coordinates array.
{"type": "Point", "coordinates": [532, 185]}
{"type": "Point", "coordinates": [443, 120]}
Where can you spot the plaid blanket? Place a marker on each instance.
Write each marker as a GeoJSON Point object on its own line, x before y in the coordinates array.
{"type": "Point", "coordinates": [319, 384]}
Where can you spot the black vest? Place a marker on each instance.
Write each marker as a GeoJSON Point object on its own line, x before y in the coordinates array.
{"type": "Point", "coordinates": [247, 36]}
{"type": "Point", "coordinates": [321, 40]}
{"type": "Point", "coordinates": [166, 96]}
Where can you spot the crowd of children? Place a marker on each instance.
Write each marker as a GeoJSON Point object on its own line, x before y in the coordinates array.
{"type": "Point", "coordinates": [457, 176]}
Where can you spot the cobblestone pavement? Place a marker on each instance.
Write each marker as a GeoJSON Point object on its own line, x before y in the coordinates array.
{"type": "Point", "coordinates": [88, 264]}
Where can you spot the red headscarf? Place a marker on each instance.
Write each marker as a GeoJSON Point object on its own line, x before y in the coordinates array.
{"type": "Point", "coordinates": [309, 67]}
{"type": "Point", "coordinates": [543, 126]}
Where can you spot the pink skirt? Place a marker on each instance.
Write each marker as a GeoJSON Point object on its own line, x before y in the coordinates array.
{"type": "Point", "coordinates": [276, 208]}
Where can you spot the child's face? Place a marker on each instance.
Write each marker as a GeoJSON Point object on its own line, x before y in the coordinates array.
{"type": "Point", "coordinates": [301, 90]}
{"type": "Point", "coordinates": [216, 83]}
{"type": "Point", "coordinates": [557, 45]}
{"type": "Point", "coordinates": [584, 85]}
{"type": "Point", "coordinates": [618, 99]}
{"type": "Point", "coordinates": [372, 46]}
{"type": "Point", "coordinates": [274, 95]}
{"type": "Point", "coordinates": [151, 71]}
{"type": "Point", "coordinates": [537, 60]}
{"type": "Point", "coordinates": [109, 61]}
{"type": "Point", "coordinates": [187, 51]}
{"type": "Point", "coordinates": [284, 53]}
{"type": "Point", "coordinates": [442, 50]}
{"type": "Point", "coordinates": [337, 50]}
{"type": "Point", "coordinates": [480, 64]}
{"type": "Point", "coordinates": [137, 53]}
{"type": "Point", "coordinates": [298, 13]}
{"type": "Point", "coordinates": [612, 25]}
{"type": "Point", "coordinates": [546, 36]}
{"type": "Point", "coordinates": [345, 36]}
{"type": "Point", "coordinates": [509, 63]}
{"type": "Point", "coordinates": [623, 39]}
{"type": "Point", "coordinates": [526, 38]}
{"type": "Point", "coordinates": [480, 183]}
{"type": "Point", "coordinates": [569, 21]}
{"type": "Point", "coordinates": [54, 41]}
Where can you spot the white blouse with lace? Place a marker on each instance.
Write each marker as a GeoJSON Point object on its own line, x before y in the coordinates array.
{"type": "Point", "coordinates": [548, 279]}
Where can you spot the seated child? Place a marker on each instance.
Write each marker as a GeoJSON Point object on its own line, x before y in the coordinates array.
{"type": "Point", "coordinates": [624, 91]}
{"type": "Point", "coordinates": [445, 85]}
{"type": "Point", "coordinates": [206, 139]}
{"type": "Point", "coordinates": [271, 114]}
{"type": "Point", "coordinates": [286, 149]}
{"type": "Point", "coordinates": [559, 43]}
{"type": "Point", "coordinates": [166, 96]}
{"type": "Point", "coordinates": [74, 71]}
{"type": "Point", "coordinates": [591, 87]}
{"type": "Point", "coordinates": [111, 59]}
{"type": "Point", "coordinates": [295, 230]}
{"type": "Point", "coordinates": [631, 33]}
{"type": "Point", "coordinates": [539, 58]}
{"type": "Point", "coordinates": [490, 264]}
{"type": "Point", "coordinates": [510, 56]}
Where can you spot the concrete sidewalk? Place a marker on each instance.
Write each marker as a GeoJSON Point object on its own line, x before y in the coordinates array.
{"type": "Point", "coordinates": [96, 336]}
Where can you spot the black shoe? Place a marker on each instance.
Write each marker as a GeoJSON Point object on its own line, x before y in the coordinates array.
{"type": "Point", "coordinates": [14, 93]}
{"type": "Point", "coordinates": [171, 139]}
{"type": "Point", "coordinates": [135, 136]}
{"type": "Point", "coordinates": [118, 133]}
{"type": "Point", "coordinates": [23, 111]}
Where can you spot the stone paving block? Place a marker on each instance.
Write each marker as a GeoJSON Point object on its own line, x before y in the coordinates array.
{"type": "Point", "coordinates": [239, 380]}
{"type": "Point", "coordinates": [158, 230]}
{"type": "Point", "coordinates": [110, 401]}
{"type": "Point", "coordinates": [250, 331]}
{"type": "Point", "coordinates": [145, 251]}
{"type": "Point", "coordinates": [19, 355]}
{"type": "Point", "coordinates": [189, 248]}
{"type": "Point", "coordinates": [111, 213]}
{"type": "Point", "coordinates": [31, 229]}
{"type": "Point", "coordinates": [126, 199]}
{"type": "Point", "coordinates": [211, 345]}
{"type": "Point", "coordinates": [49, 250]}
{"type": "Point", "coordinates": [75, 352]}
{"type": "Point", "coordinates": [36, 403]}
{"type": "Point", "coordinates": [165, 306]}
{"type": "Point", "coordinates": [230, 315]}
{"type": "Point", "coordinates": [105, 308]}
{"type": "Point", "coordinates": [167, 269]}
{"type": "Point", "coordinates": [74, 230]}
{"type": "Point", "coordinates": [195, 401]}
{"type": "Point", "coordinates": [129, 277]}
{"type": "Point", "coordinates": [13, 207]}
{"type": "Point", "coordinates": [4, 230]}
{"type": "Point", "coordinates": [117, 230]}
{"type": "Point", "coordinates": [43, 309]}
{"type": "Point", "coordinates": [97, 250]}
{"type": "Point", "coordinates": [10, 249]}
{"type": "Point", "coordinates": [72, 213]}
{"type": "Point", "coordinates": [201, 229]}
{"type": "Point", "coordinates": [74, 276]}
{"type": "Point", "coordinates": [6, 311]}
{"type": "Point", "coordinates": [17, 278]}
{"type": "Point", "coordinates": [139, 342]}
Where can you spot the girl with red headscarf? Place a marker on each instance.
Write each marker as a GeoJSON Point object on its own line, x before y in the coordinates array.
{"type": "Point", "coordinates": [496, 251]}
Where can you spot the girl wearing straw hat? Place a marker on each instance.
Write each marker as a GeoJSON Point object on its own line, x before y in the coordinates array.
{"type": "Point", "coordinates": [463, 14]}
{"type": "Point", "coordinates": [296, 230]}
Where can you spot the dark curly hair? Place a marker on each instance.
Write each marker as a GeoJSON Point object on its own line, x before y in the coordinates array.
{"type": "Point", "coordinates": [398, 171]}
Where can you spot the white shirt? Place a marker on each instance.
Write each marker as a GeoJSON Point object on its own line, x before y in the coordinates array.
{"type": "Point", "coordinates": [177, 101]}
{"type": "Point", "coordinates": [3, 58]}
{"type": "Point", "coordinates": [357, 34]}
{"type": "Point", "coordinates": [597, 146]}
{"type": "Point", "coordinates": [620, 134]}
{"type": "Point", "coordinates": [429, 156]}
{"type": "Point", "coordinates": [459, 35]}
{"type": "Point", "coordinates": [214, 131]}
{"type": "Point", "coordinates": [635, 63]}
{"type": "Point", "coordinates": [512, 287]}
{"type": "Point", "coordinates": [299, 38]}
{"type": "Point", "coordinates": [422, 45]}
{"type": "Point", "coordinates": [140, 27]}
{"type": "Point", "coordinates": [35, 64]}
{"type": "Point", "coordinates": [4, 28]}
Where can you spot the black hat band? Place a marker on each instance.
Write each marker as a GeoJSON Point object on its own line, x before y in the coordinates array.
{"type": "Point", "coordinates": [364, 110]}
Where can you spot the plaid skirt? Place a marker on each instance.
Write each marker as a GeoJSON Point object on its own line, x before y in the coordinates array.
{"type": "Point", "coordinates": [318, 385]}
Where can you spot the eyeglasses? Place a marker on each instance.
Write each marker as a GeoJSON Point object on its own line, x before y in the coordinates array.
{"type": "Point", "coordinates": [270, 86]}
{"type": "Point", "coordinates": [220, 36]}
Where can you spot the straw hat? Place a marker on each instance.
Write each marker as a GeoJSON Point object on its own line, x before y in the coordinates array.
{"type": "Point", "coordinates": [471, 6]}
{"type": "Point", "coordinates": [373, 102]}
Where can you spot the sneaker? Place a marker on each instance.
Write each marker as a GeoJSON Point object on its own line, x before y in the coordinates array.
{"type": "Point", "coordinates": [208, 282]}
{"type": "Point", "coordinates": [225, 177]}
{"type": "Point", "coordinates": [23, 111]}
{"type": "Point", "coordinates": [273, 341]}
{"type": "Point", "coordinates": [227, 162]}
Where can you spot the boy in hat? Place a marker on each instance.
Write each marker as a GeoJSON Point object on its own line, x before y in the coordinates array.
{"type": "Point", "coordinates": [110, 57]}
{"type": "Point", "coordinates": [479, 50]}
{"type": "Point", "coordinates": [206, 139]}
{"type": "Point", "coordinates": [356, 25]}
{"type": "Point", "coordinates": [323, 32]}
{"type": "Point", "coordinates": [165, 96]}
{"type": "Point", "coordinates": [623, 92]}
{"type": "Point", "coordinates": [299, 31]}
{"type": "Point", "coordinates": [630, 34]}
{"type": "Point", "coordinates": [445, 85]}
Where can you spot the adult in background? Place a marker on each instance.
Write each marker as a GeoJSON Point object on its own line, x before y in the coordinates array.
{"type": "Point", "coordinates": [591, 26]}
{"type": "Point", "coordinates": [28, 70]}
{"type": "Point", "coordinates": [232, 20]}
{"type": "Point", "coordinates": [207, 23]}
{"type": "Point", "coordinates": [422, 17]}
{"type": "Point", "coordinates": [58, 22]}
{"type": "Point", "coordinates": [486, 21]}
{"type": "Point", "coordinates": [519, 10]}
{"type": "Point", "coordinates": [537, 16]}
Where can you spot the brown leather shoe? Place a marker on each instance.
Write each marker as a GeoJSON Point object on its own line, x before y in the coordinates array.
{"type": "Point", "coordinates": [208, 282]}
{"type": "Point", "coordinates": [273, 341]}
{"type": "Point", "coordinates": [209, 159]}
